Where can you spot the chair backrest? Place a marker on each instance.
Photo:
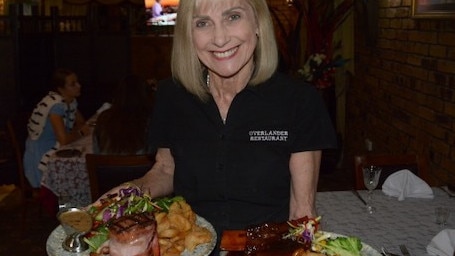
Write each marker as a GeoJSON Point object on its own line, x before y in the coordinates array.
{"type": "Point", "coordinates": [17, 132]}
{"type": "Point", "coordinates": [389, 163]}
{"type": "Point", "coordinates": [108, 171]}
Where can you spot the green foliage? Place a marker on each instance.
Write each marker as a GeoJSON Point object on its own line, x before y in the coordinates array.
{"type": "Point", "coordinates": [343, 246]}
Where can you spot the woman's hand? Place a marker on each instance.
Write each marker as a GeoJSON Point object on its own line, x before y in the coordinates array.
{"type": "Point", "coordinates": [157, 182]}
{"type": "Point", "coordinates": [115, 190]}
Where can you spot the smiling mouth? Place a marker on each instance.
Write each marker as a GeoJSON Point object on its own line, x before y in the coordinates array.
{"type": "Point", "coordinates": [226, 54]}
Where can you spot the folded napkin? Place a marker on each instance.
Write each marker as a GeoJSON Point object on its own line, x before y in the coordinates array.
{"type": "Point", "coordinates": [404, 184]}
{"type": "Point", "coordinates": [443, 244]}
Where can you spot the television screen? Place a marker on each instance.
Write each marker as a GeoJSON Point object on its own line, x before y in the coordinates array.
{"type": "Point", "coordinates": [161, 12]}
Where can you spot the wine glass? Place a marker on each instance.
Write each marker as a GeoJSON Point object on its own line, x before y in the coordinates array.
{"type": "Point", "coordinates": [371, 179]}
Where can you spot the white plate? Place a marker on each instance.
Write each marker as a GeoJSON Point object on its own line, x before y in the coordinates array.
{"type": "Point", "coordinates": [203, 249]}
{"type": "Point", "coordinates": [56, 238]}
{"type": "Point", "coordinates": [366, 249]}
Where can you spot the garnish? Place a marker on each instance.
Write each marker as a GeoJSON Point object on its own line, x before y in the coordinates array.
{"type": "Point", "coordinates": [305, 231]}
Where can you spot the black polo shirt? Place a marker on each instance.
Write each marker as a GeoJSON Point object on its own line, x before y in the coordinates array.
{"type": "Point", "coordinates": [237, 174]}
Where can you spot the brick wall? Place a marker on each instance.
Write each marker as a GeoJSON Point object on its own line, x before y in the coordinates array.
{"type": "Point", "coordinates": [403, 94]}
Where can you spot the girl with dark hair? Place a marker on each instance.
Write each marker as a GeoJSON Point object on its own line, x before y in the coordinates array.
{"type": "Point", "coordinates": [54, 122]}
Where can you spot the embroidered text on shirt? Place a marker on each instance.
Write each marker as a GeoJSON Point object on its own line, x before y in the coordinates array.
{"type": "Point", "coordinates": [268, 135]}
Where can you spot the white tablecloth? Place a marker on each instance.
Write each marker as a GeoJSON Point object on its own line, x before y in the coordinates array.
{"type": "Point", "coordinates": [410, 222]}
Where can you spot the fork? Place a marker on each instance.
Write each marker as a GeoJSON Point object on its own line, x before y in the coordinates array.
{"type": "Point", "coordinates": [404, 250]}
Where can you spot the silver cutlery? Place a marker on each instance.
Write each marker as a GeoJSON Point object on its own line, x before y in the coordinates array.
{"type": "Point", "coordinates": [404, 250]}
{"type": "Point", "coordinates": [356, 193]}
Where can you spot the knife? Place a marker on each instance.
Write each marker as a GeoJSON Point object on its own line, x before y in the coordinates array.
{"type": "Point", "coordinates": [356, 193]}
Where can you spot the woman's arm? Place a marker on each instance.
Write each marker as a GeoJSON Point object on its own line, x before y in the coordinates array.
{"type": "Point", "coordinates": [80, 124]}
{"type": "Point", "coordinates": [79, 121]}
{"type": "Point", "coordinates": [304, 167]}
{"type": "Point", "coordinates": [63, 136]}
{"type": "Point", "coordinates": [159, 180]}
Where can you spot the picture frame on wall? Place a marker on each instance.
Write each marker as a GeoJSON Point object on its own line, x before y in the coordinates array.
{"type": "Point", "coordinates": [442, 9]}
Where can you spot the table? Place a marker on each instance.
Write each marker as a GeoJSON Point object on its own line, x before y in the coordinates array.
{"type": "Point", "coordinates": [67, 176]}
{"type": "Point", "coordinates": [410, 222]}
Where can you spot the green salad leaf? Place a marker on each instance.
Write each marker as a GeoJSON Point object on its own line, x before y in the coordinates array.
{"type": "Point", "coordinates": [99, 237]}
{"type": "Point", "coordinates": [340, 246]}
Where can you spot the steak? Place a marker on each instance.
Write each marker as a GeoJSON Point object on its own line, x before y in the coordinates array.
{"type": "Point", "coordinates": [134, 235]}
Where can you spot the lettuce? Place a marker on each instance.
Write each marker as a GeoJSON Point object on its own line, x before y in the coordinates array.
{"type": "Point", "coordinates": [342, 246]}
{"type": "Point", "coordinates": [165, 202]}
{"type": "Point", "coordinates": [98, 238]}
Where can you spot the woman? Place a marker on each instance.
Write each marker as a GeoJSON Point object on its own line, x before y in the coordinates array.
{"type": "Point", "coordinates": [54, 122]}
{"type": "Point", "coordinates": [157, 9]}
{"type": "Point", "coordinates": [241, 142]}
{"type": "Point", "coordinates": [123, 128]}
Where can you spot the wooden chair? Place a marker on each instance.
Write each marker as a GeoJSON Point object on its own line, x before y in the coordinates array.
{"type": "Point", "coordinates": [28, 195]}
{"type": "Point", "coordinates": [389, 163]}
{"type": "Point", "coordinates": [108, 171]}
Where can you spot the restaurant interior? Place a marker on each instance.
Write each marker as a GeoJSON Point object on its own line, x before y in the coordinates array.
{"type": "Point", "coordinates": [390, 88]}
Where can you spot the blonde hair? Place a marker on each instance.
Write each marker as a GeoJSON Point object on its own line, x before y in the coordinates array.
{"type": "Point", "coordinates": [188, 70]}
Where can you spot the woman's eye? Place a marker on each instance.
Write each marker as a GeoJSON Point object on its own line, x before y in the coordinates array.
{"type": "Point", "coordinates": [234, 17]}
{"type": "Point", "coordinates": [201, 23]}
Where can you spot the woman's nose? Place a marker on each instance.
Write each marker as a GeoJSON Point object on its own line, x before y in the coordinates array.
{"type": "Point", "coordinates": [220, 37]}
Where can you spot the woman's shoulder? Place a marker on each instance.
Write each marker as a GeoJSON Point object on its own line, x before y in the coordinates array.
{"type": "Point", "coordinates": [290, 80]}
{"type": "Point", "coordinates": [284, 83]}
{"type": "Point", "coordinates": [168, 84]}
{"type": "Point", "coordinates": [170, 87]}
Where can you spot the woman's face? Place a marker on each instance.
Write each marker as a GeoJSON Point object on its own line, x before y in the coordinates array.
{"type": "Point", "coordinates": [225, 35]}
{"type": "Point", "coordinates": [72, 88]}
